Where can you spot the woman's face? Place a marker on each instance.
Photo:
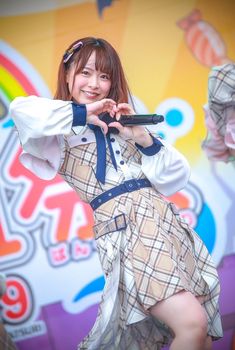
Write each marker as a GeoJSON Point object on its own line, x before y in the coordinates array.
{"type": "Point", "coordinates": [89, 85]}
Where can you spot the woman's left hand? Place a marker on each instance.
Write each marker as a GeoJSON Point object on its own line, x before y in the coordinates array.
{"type": "Point", "coordinates": [137, 133]}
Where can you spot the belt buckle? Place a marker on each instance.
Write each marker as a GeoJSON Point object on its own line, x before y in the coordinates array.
{"type": "Point", "coordinates": [131, 185]}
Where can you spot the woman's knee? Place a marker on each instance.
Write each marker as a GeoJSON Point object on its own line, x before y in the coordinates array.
{"type": "Point", "coordinates": [183, 314]}
{"type": "Point", "coordinates": [193, 323]}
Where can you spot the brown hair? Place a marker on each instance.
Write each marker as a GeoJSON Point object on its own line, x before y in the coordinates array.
{"type": "Point", "coordinates": [107, 61]}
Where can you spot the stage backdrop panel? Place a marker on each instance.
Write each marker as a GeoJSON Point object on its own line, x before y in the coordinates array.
{"type": "Point", "coordinates": [47, 250]}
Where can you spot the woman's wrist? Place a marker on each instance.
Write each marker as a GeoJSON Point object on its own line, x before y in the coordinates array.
{"type": "Point", "coordinates": [144, 139]}
{"type": "Point", "coordinates": [152, 149]}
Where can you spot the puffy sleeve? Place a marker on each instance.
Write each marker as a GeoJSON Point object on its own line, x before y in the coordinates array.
{"type": "Point", "coordinates": [41, 124]}
{"type": "Point", "coordinates": [167, 170]}
{"type": "Point", "coordinates": [214, 145]}
{"type": "Point", "coordinates": [219, 144]}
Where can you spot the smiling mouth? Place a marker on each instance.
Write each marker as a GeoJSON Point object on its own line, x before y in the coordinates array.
{"type": "Point", "coordinates": [90, 94]}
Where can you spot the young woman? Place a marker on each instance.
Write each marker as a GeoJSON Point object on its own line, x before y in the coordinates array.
{"type": "Point", "coordinates": [161, 284]}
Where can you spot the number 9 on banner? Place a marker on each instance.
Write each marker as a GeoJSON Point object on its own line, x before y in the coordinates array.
{"type": "Point", "coordinates": [17, 302]}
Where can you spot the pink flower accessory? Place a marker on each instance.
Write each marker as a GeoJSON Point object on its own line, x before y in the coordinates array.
{"type": "Point", "coordinates": [69, 53]}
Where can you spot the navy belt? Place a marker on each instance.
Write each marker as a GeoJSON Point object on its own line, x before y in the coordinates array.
{"type": "Point", "coordinates": [126, 186]}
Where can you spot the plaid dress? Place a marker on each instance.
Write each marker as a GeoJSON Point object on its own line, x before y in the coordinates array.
{"type": "Point", "coordinates": [147, 253]}
{"type": "Point", "coordinates": [219, 144]}
{"type": "Point", "coordinates": [6, 342]}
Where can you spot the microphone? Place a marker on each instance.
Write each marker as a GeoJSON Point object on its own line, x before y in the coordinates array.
{"type": "Point", "coordinates": [140, 119]}
{"type": "Point", "coordinates": [131, 120]}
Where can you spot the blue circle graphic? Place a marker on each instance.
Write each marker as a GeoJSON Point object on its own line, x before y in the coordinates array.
{"type": "Point", "coordinates": [206, 228]}
{"type": "Point", "coordinates": [174, 117]}
{"type": "Point", "coordinates": [161, 135]}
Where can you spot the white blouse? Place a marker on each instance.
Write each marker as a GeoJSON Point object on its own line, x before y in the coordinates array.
{"type": "Point", "coordinates": [41, 124]}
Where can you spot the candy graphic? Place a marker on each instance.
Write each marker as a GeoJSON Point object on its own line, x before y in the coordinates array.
{"type": "Point", "coordinates": [203, 40]}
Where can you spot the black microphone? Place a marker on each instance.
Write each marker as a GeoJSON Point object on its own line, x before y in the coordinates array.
{"type": "Point", "coordinates": [140, 119]}
{"type": "Point", "coordinates": [131, 120]}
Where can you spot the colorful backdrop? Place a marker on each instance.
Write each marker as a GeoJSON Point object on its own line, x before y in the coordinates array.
{"type": "Point", "coordinates": [47, 251]}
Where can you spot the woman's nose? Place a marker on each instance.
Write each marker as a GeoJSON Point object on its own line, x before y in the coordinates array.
{"type": "Point", "coordinates": [93, 82]}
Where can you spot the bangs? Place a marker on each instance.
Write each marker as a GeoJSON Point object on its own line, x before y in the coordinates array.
{"type": "Point", "coordinates": [103, 62]}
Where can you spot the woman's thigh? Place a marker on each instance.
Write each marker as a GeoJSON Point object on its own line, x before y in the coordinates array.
{"type": "Point", "coordinates": [180, 311]}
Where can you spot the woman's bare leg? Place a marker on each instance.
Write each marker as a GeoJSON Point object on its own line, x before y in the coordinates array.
{"type": "Point", "coordinates": [186, 317]}
{"type": "Point", "coordinates": [208, 344]}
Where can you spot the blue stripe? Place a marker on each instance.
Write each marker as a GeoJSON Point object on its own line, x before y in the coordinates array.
{"type": "Point", "coordinates": [150, 150]}
{"type": "Point", "coordinates": [111, 151]}
{"type": "Point", "coordinates": [101, 153]}
{"type": "Point", "coordinates": [95, 286]}
{"type": "Point", "coordinates": [79, 114]}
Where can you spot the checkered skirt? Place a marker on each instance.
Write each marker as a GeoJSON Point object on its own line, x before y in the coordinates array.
{"type": "Point", "coordinates": [148, 253]}
{"type": "Point", "coordinates": [6, 342]}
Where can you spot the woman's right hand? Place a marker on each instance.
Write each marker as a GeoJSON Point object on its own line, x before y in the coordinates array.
{"type": "Point", "coordinates": [98, 107]}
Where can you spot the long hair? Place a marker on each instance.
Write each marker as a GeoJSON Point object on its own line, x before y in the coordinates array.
{"type": "Point", "coordinates": [107, 61]}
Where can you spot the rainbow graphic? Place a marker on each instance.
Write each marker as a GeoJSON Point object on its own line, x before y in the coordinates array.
{"type": "Point", "coordinates": [15, 81]}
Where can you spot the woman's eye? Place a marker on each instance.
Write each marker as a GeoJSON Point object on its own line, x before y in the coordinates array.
{"type": "Point", "coordinates": [85, 72]}
{"type": "Point", "coordinates": [105, 76]}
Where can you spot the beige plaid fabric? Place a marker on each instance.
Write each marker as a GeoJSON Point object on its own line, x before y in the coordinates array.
{"type": "Point", "coordinates": [147, 253]}
{"type": "Point", "coordinates": [221, 93]}
{"type": "Point", "coordinates": [6, 343]}
{"type": "Point", "coordinates": [219, 144]}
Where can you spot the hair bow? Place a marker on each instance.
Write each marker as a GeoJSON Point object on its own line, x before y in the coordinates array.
{"type": "Point", "coordinates": [69, 53]}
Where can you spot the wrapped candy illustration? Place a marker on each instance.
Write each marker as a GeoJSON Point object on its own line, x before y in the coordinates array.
{"type": "Point", "coordinates": [219, 144]}
{"type": "Point", "coordinates": [203, 40]}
